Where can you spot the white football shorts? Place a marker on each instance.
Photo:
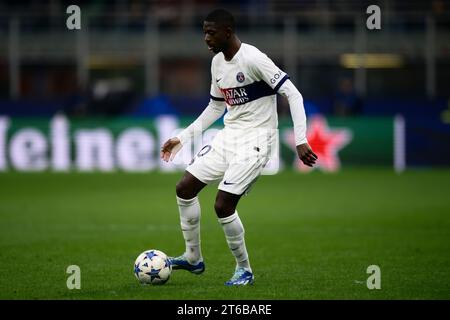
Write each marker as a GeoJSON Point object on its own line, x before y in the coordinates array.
{"type": "Point", "coordinates": [234, 159]}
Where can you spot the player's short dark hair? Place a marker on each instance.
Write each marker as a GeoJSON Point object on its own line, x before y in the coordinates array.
{"type": "Point", "coordinates": [221, 17]}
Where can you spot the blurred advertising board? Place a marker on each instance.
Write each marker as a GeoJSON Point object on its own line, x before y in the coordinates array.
{"type": "Point", "coordinates": [133, 144]}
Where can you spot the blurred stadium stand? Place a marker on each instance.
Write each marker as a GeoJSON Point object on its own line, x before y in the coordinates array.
{"type": "Point", "coordinates": [145, 58]}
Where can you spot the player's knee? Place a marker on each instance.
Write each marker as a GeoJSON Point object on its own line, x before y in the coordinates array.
{"type": "Point", "coordinates": [223, 209]}
{"type": "Point", "coordinates": [183, 191]}
{"type": "Point", "coordinates": [219, 208]}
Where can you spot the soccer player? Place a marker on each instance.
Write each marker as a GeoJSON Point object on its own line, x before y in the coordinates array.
{"type": "Point", "coordinates": [245, 83]}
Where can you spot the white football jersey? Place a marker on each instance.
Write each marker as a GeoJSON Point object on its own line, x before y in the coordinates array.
{"type": "Point", "coordinates": [248, 84]}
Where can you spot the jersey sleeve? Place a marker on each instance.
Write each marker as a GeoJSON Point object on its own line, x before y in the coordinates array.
{"type": "Point", "coordinates": [265, 69]}
{"type": "Point", "coordinates": [213, 112]}
{"type": "Point", "coordinates": [295, 99]}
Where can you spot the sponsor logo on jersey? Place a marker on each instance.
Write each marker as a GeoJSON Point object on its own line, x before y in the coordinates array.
{"type": "Point", "coordinates": [249, 92]}
{"type": "Point", "coordinates": [240, 77]}
{"type": "Point", "coordinates": [276, 76]}
{"type": "Point", "coordinates": [234, 96]}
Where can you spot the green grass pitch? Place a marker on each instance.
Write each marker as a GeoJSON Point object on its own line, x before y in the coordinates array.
{"type": "Point", "coordinates": [309, 236]}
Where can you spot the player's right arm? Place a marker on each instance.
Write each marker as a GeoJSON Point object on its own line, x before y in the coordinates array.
{"type": "Point", "coordinates": [212, 112]}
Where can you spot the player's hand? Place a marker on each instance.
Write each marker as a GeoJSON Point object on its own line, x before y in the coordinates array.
{"type": "Point", "coordinates": [170, 149]}
{"type": "Point", "coordinates": [306, 154]}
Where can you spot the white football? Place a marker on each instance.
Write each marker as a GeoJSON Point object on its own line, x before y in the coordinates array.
{"type": "Point", "coordinates": [152, 266]}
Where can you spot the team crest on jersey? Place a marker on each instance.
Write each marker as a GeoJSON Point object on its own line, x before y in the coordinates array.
{"type": "Point", "coordinates": [240, 77]}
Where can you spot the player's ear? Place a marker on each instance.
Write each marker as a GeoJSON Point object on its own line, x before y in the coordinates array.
{"type": "Point", "coordinates": [228, 32]}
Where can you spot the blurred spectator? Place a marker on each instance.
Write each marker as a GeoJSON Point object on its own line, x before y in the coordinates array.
{"type": "Point", "coordinates": [346, 101]}
{"type": "Point", "coordinates": [438, 7]}
{"type": "Point", "coordinates": [111, 97]}
{"type": "Point", "coordinates": [168, 13]}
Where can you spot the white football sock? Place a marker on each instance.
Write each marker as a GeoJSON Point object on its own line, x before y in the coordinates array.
{"type": "Point", "coordinates": [190, 226]}
{"type": "Point", "coordinates": [234, 233]}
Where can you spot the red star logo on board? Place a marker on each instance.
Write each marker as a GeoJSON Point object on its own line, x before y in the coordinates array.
{"type": "Point", "coordinates": [325, 143]}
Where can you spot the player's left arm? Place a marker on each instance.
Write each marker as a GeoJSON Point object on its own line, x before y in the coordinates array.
{"type": "Point", "coordinates": [304, 150]}
{"type": "Point", "coordinates": [278, 80]}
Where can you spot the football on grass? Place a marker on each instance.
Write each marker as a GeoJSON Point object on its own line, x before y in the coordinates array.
{"type": "Point", "coordinates": [152, 267]}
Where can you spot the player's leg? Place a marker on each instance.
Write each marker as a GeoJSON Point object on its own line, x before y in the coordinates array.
{"type": "Point", "coordinates": [242, 172]}
{"type": "Point", "coordinates": [233, 228]}
{"type": "Point", "coordinates": [189, 186]}
{"type": "Point", "coordinates": [207, 167]}
{"type": "Point", "coordinates": [187, 190]}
